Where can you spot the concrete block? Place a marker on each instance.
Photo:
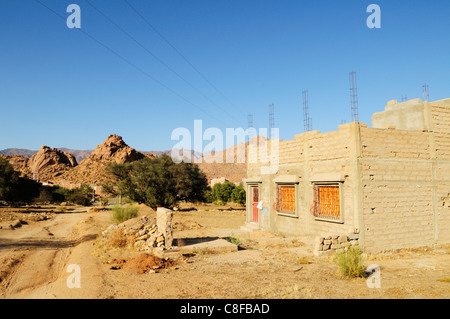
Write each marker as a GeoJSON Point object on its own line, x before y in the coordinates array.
{"type": "Point", "coordinates": [164, 222]}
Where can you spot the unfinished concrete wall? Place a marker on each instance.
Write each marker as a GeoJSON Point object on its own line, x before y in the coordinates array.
{"type": "Point", "coordinates": [408, 115]}
{"type": "Point", "coordinates": [406, 183]}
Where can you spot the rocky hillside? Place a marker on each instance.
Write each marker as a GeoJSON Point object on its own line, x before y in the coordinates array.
{"type": "Point", "coordinates": [48, 162]}
{"type": "Point", "coordinates": [92, 169]}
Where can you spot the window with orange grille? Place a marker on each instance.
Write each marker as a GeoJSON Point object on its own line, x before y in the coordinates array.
{"type": "Point", "coordinates": [286, 199]}
{"type": "Point", "coordinates": [326, 202]}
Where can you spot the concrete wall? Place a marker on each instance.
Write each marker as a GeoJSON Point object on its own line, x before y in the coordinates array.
{"type": "Point", "coordinates": [409, 115]}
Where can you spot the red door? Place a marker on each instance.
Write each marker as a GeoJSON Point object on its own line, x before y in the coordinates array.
{"type": "Point", "coordinates": [255, 197]}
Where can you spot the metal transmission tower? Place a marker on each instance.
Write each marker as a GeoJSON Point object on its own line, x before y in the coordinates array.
{"type": "Point", "coordinates": [271, 119]}
{"type": "Point", "coordinates": [307, 125]}
{"type": "Point", "coordinates": [426, 92]}
{"type": "Point", "coordinates": [354, 96]}
{"type": "Point", "coordinates": [250, 120]}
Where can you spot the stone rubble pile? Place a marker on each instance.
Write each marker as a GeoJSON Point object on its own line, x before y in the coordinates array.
{"type": "Point", "coordinates": [144, 230]}
{"type": "Point", "coordinates": [335, 243]}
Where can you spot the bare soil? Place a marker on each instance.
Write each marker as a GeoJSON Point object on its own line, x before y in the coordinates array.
{"type": "Point", "coordinates": [34, 260]}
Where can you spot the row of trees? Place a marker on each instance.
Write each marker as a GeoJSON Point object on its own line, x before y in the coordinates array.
{"type": "Point", "coordinates": [224, 193]}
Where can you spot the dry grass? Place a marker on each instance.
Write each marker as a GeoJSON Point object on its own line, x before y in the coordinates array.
{"type": "Point", "coordinates": [350, 263]}
{"type": "Point", "coordinates": [117, 240]}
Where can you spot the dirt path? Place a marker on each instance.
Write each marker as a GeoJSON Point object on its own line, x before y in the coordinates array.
{"type": "Point", "coordinates": [35, 257]}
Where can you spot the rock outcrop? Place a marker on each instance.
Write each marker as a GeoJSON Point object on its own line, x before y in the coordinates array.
{"type": "Point", "coordinates": [92, 170]}
{"type": "Point", "coordinates": [114, 149]}
{"type": "Point", "coordinates": [50, 163]}
{"type": "Point", "coordinates": [47, 157]}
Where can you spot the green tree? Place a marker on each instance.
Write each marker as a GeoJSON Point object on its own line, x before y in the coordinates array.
{"type": "Point", "coordinates": [159, 182]}
{"type": "Point", "coordinates": [13, 187]}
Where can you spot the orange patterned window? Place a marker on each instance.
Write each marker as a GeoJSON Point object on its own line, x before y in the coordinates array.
{"type": "Point", "coordinates": [286, 198]}
{"type": "Point", "coordinates": [326, 202]}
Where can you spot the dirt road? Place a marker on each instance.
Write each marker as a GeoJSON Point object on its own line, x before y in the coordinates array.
{"type": "Point", "coordinates": [36, 257]}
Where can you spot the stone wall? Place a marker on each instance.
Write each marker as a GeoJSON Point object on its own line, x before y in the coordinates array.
{"type": "Point", "coordinates": [335, 243]}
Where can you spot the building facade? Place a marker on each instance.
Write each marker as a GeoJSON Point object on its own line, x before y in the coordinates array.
{"type": "Point", "coordinates": [389, 184]}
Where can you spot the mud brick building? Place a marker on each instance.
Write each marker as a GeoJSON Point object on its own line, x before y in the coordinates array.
{"type": "Point", "coordinates": [387, 185]}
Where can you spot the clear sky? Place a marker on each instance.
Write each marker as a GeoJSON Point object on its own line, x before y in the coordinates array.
{"type": "Point", "coordinates": [71, 88]}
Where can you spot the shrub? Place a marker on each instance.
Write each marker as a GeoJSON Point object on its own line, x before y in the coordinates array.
{"type": "Point", "coordinates": [123, 213]}
{"type": "Point", "coordinates": [81, 196]}
{"type": "Point", "coordinates": [350, 263]}
{"type": "Point", "coordinates": [222, 193]}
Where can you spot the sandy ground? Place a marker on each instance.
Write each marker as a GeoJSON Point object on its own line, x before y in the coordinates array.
{"type": "Point", "coordinates": [36, 259]}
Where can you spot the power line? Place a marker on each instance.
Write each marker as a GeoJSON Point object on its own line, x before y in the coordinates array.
{"type": "Point", "coordinates": [157, 58]}
{"type": "Point", "coordinates": [132, 64]}
{"type": "Point", "coordinates": [181, 55]}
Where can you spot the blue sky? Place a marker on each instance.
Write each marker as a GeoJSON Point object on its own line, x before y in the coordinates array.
{"type": "Point", "coordinates": [62, 88]}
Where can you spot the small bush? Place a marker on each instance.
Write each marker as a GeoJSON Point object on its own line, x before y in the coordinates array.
{"type": "Point", "coordinates": [123, 213]}
{"type": "Point", "coordinates": [350, 263]}
{"type": "Point", "coordinates": [234, 240]}
{"type": "Point", "coordinates": [104, 201]}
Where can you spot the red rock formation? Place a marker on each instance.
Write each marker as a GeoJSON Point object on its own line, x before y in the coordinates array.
{"type": "Point", "coordinates": [92, 170]}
